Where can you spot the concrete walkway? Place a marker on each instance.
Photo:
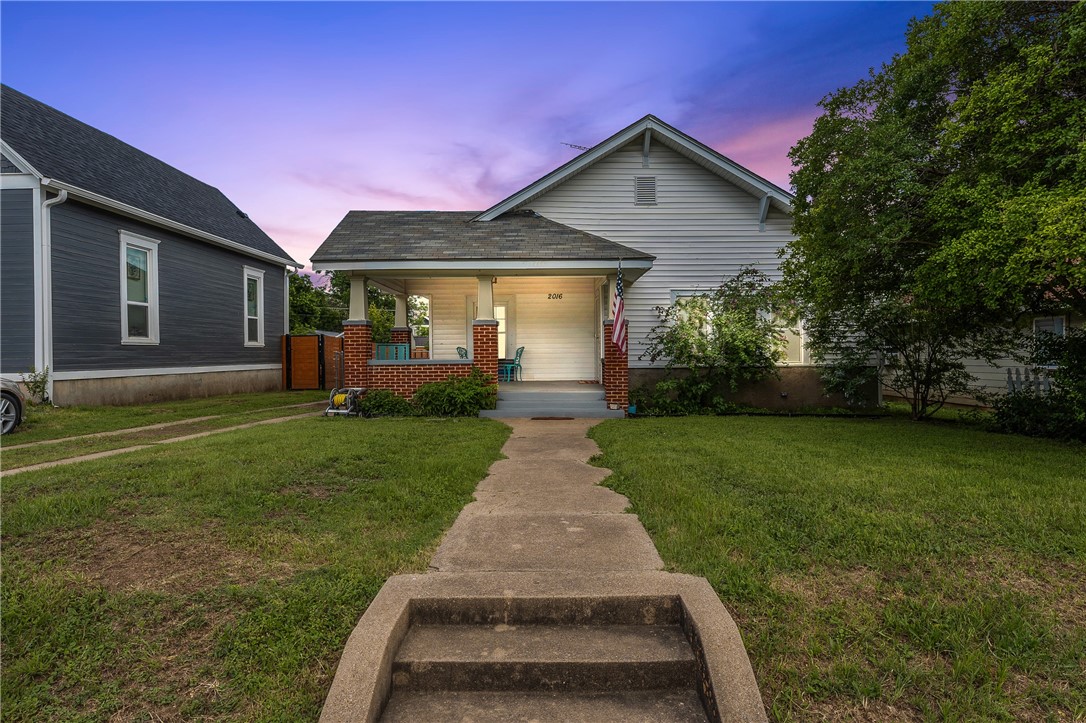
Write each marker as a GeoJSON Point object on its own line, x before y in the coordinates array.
{"type": "Point", "coordinates": [545, 601]}
{"type": "Point", "coordinates": [543, 509]}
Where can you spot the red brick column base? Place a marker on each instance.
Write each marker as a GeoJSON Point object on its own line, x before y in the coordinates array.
{"type": "Point", "coordinates": [616, 372]}
{"type": "Point", "coordinates": [485, 347]}
{"type": "Point", "coordinates": [357, 351]}
{"type": "Point", "coordinates": [401, 335]}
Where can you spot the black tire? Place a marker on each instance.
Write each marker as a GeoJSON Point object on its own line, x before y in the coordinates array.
{"type": "Point", "coordinates": [11, 412]}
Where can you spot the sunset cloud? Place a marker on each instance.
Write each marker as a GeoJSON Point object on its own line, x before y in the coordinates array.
{"type": "Point", "coordinates": [301, 112]}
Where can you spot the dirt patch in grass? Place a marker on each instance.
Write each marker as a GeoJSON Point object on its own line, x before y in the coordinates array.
{"type": "Point", "coordinates": [1057, 587]}
{"type": "Point", "coordinates": [869, 711]}
{"type": "Point", "coordinates": [316, 491]}
{"type": "Point", "coordinates": [818, 588]}
{"type": "Point", "coordinates": [123, 558]}
{"type": "Point", "coordinates": [179, 654]}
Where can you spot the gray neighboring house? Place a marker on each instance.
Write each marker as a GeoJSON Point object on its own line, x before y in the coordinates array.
{"type": "Point", "coordinates": [130, 280]}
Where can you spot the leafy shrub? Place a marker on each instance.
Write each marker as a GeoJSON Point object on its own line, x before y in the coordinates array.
{"type": "Point", "coordinates": [457, 396]}
{"type": "Point", "coordinates": [37, 384]}
{"type": "Point", "coordinates": [385, 403]}
{"type": "Point", "coordinates": [730, 335]}
{"type": "Point", "coordinates": [667, 399]}
{"type": "Point", "coordinates": [1060, 413]}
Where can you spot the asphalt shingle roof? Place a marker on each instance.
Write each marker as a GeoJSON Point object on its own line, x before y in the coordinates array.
{"type": "Point", "coordinates": [71, 151]}
{"type": "Point", "coordinates": [453, 236]}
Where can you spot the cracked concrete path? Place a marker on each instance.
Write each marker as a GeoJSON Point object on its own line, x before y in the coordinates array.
{"type": "Point", "coordinates": [543, 509]}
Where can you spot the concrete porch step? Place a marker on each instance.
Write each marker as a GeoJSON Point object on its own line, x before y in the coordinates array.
{"type": "Point", "coordinates": [664, 706]}
{"type": "Point", "coordinates": [546, 411]}
{"type": "Point", "coordinates": [590, 394]}
{"type": "Point", "coordinates": [544, 658]}
{"type": "Point", "coordinates": [552, 404]}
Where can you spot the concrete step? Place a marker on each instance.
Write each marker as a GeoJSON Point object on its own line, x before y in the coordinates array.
{"type": "Point", "coordinates": [572, 406]}
{"type": "Point", "coordinates": [600, 412]}
{"type": "Point", "coordinates": [664, 706]}
{"type": "Point", "coordinates": [590, 395]}
{"type": "Point", "coordinates": [544, 658]}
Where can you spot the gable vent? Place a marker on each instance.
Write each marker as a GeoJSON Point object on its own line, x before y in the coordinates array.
{"type": "Point", "coordinates": [645, 190]}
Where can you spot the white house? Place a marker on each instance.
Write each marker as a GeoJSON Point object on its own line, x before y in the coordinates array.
{"type": "Point", "coordinates": [538, 269]}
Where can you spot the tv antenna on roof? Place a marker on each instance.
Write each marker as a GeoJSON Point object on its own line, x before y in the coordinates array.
{"type": "Point", "coordinates": [574, 145]}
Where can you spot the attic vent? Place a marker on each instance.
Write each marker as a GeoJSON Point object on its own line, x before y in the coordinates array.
{"type": "Point", "coordinates": [645, 190]}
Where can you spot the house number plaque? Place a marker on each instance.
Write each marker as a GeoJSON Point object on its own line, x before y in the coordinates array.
{"type": "Point", "coordinates": [554, 296]}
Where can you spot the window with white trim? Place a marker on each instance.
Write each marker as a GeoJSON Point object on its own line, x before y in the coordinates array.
{"type": "Point", "coordinates": [139, 289]}
{"type": "Point", "coordinates": [1049, 325]}
{"type": "Point", "coordinates": [254, 307]}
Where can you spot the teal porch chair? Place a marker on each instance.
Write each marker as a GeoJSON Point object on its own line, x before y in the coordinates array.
{"type": "Point", "coordinates": [462, 352]}
{"type": "Point", "coordinates": [509, 370]}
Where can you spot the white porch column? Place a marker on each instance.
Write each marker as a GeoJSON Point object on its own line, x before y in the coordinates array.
{"type": "Point", "coordinates": [612, 282]}
{"type": "Point", "coordinates": [360, 302]}
{"type": "Point", "coordinates": [401, 310]}
{"type": "Point", "coordinates": [486, 298]}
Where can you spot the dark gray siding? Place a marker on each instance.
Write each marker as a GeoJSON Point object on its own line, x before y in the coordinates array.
{"type": "Point", "coordinates": [201, 311]}
{"type": "Point", "coordinates": [7, 166]}
{"type": "Point", "coordinates": [16, 280]}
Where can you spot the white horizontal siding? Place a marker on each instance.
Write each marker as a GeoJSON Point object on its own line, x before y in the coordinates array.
{"type": "Point", "coordinates": [993, 379]}
{"type": "Point", "coordinates": [559, 336]}
{"type": "Point", "coordinates": [701, 230]}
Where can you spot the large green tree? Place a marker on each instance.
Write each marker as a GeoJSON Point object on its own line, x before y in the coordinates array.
{"type": "Point", "coordinates": [944, 196]}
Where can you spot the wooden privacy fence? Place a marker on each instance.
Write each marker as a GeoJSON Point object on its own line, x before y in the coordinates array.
{"type": "Point", "coordinates": [312, 361]}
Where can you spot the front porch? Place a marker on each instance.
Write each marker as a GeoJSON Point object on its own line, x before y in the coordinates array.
{"type": "Point", "coordinates": [561, 323]}
{"type": "Point", "coordinates": [517, 280]}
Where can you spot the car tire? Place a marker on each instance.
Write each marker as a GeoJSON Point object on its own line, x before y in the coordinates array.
{"type": "Point", "coordinates": [11, 412]}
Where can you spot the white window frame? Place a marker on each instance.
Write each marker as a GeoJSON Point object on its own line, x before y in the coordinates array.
{"type": "Point", "coordinates": [150, 246]}
{"type": "Point", "coordinates": [804, 353]}
{"type": "Point", "coordinates": [1061, 332]}
{"type": "Point", "coordinates": [258, 275]}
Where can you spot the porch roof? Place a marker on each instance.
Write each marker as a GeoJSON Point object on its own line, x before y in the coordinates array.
{"type": "Point", "coordinates": [371, 240]}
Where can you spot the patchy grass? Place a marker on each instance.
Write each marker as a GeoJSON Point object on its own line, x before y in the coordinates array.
{"type": "Point", "coordinates": [219, 578]}
{"type": "Point", "coordinates": [45, 422]}
{"type": "Point", "coordinates": [65, 448]}
{"type": "Point", "coordinates": [879, 569]}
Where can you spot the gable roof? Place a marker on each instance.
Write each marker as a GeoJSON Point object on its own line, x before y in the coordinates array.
{"type": "Point", "coordinates": [375, 236]}
{"type": "Point", "coordinates": [85, 159]}
{"type": "Point", "coordinates": [662, 133]}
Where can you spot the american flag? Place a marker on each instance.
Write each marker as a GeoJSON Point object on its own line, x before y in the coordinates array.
{"type": "Point", "coordinates": [618, 332]}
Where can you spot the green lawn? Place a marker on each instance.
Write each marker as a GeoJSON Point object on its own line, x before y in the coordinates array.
{"type": "Point", "coordinates": [878, 569]}
{"type": "Point", "coordinates": [65, 448]}
{"type": "Point", "coordinates": [219, 578]}
{"type": "Point", "coordinates": [46, 422]}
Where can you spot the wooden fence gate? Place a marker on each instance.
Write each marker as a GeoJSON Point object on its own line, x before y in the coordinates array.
{"type": "Point", "coordinates": [312, 361]}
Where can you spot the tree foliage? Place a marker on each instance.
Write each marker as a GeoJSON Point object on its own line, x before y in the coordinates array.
{"type": "Point", "coordinates": [317, 307]}
{"type": "Point", "coordinates": [944, 196]}
{"type": "Point", "coordinates": [323, 304]}
{"type": "Point", "coordinates": [723, 337]}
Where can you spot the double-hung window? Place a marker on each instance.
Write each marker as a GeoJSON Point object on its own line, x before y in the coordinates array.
{"type": "Point", "coordinates": [1049, 325]}
{"type": "Point", "coordinates": [254, 307]}
{"type": "Point", "coordinates": [139, 289]}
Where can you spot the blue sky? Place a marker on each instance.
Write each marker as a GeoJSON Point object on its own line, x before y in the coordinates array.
{"type": "Point", "coordinates": [300, 112]}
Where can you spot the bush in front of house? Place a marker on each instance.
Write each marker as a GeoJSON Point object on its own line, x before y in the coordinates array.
{"type": "Point", "coordinates": [457, 396]}
{"type": "Point", "coordinates": [385, 403]}
{"type": "Point", "coordinates": [1061, 412]}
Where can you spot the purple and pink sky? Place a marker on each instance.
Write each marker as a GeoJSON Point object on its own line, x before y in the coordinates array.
{"type": "Point", "coordinates": [301, 112]}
